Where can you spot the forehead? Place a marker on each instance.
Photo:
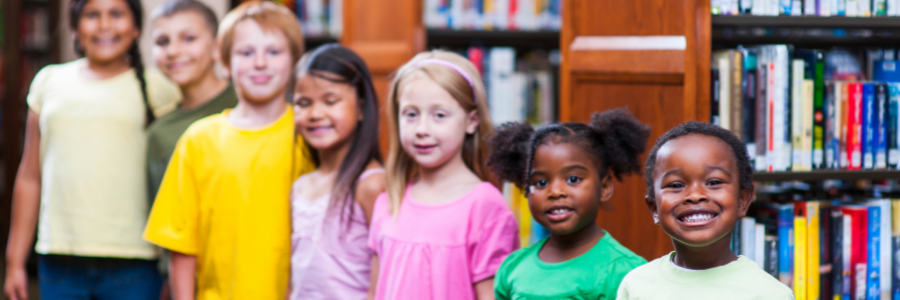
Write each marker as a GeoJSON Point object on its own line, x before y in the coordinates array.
{"type": "Point", "coordinates": [250, 32]}
{"type": "Point", "coordinates": [555, 155]}
{"type": "Point", "coordinates": [421, 91]}
{"type": "Point", "coordinates": [694, 150]}
{"type": "Point", "coordinates": [185, 19]}
{"type": "Point", "coordinates": [106, 4]}
{"type": "Point", "coordinates": [308, 83]}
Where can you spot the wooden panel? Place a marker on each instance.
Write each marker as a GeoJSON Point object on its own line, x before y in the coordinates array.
{"type": "Point", "coordinates": [662, 87]}
{"type": "Point", "coordinates": [386, 34]}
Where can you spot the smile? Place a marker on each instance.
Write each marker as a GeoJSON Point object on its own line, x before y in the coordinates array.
{"type": "Point", "coordinates": [318, 130]}
{"type": "Point", "coordinates": [422, 149]}
{"type": "Point", "coordinates": [698, 218]}
{"type": "Point", "coordinates": [559, 213]}
{"type": "Point", "coordinates": [260, 79]}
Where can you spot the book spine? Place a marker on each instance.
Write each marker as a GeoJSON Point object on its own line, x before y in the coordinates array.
{"type": "Point", "coordinates": [812, 250]}
{"type": "Point", "coordinates": [809, 8]}
{"type": "Point", "coordinates": [893, 140]}
{"type": "Point", "coordinates": [748, 237]}
{"type": "Point", "coordinates": [843, 118]}
{"type": "Point", "coordinates": [854, 126]}
{"type": "Point", "coordinates": [737, 93]}
{"type": "Point", "coordinates": [873, 265]}
{"type": "Point", "coordinates": [797, 126]}
{"type": "Point", "coordinates": [785, 7]}
{"type": "Point", "coordinates": [879, 8]}
{"type": "Point", "coordinates": [881, 116]}
{"type": "Point", "coordinates": [783, 93]}
{"type": "Point", "coordinates": [859, 254]}
{"type": "Point", "coordinates": [714, 98]}
{"type": "Point", "coordinates": [761, 113]}
{"type": "Point", "coordinates": [771, 249]}
{"type": "Point", "coordinates": [785, 243]}
{"type": "Point", "coordinates": [736, 238]}
{"type": "Point", "coordinates": [759, 243]}
{"type": "Point", "coordinates": [773, 120]}
{"type": "Point", "coordinates": [847, 256]}
{"type": "Point", "coordinates": [868, 126]}
{"type": "Point", "coordinates": [895, 267]}
{"type": "Point", "coordinates": [807, 111]}
{"type": "Point", "coordinates": [885, 251]}
{"type": "Point", "coordinates": [852, 8]}
{"type": "Point", "coordinates": [837, 262]}
{"type": "Point", "coordinates": [826, 235]}
{"type": "Point", "coordinates": [748, 115]}
{"type": "Point", "coordinates": [724, 93]}
{"type": "Point", "coordinates": [830, 121]}
{"type": "Point", "coordinates": [818, 152]}
{"type": "Point", "coordinates": [800, 253]}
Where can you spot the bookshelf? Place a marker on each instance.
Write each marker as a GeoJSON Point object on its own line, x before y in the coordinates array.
{"type": "Point", "coordinates": [818, 175]}
{"type": "Point", "coordinates": [487, 38]}
{"type": "Point", "coordinates": [728, 31]}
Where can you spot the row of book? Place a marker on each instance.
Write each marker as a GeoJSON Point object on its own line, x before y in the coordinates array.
{"type": "Point", "coordinates": [519, 87]}
{"type": "Point", "coordinates": [826, 249]}
{"type": "Point", "coordinates": [34, 28]}
{"type": "Point", "coordinates": [493, 14]}
{"type": "Point", "coordinates": [825, 8]}
{"type": "Point", "coordinates": [318, 18]}
{"type": "Point", "coordinates": [808, 109]}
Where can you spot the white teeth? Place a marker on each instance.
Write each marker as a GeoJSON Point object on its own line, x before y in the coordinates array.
{"type": "Point", "coordinates": [698, 217]}
{"type": "Point", "coordinates": [559, 211]}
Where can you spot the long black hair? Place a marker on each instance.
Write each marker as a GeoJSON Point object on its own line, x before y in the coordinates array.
{"type": "Point", "coordinates": [352, 70]}
{"type": "Point", "coordinates": [614, 138]}
{"type": "Point", "coordinates": [134, 53]}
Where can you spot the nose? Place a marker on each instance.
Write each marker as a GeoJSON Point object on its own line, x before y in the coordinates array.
{"type": "Point", "coordinates": [696, 193]}
{"type": "Point", "coordinates": [259, 61]}
{"type": "Point", "coordinates": [422, 127]}
{"type": "Point", "coordinates": [557, 190]}
{"type": "Point", "coordinates": [173, 49]}
{"type": "Point", "coordinates": [315, 112]}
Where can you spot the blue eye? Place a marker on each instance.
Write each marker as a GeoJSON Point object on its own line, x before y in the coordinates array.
{"type": "Point", "coordinates": [411, 114]}
{"type": "Point", "coordinates": [190, 38]}
{"type": "Point", "coordinates": [573, 179]}
{"type": "Point", "coordinates": [274, 52]}
{"type": "Point", "coordinates": [540, 183]}
{"type": "Point", "coordinates": [440, 115]}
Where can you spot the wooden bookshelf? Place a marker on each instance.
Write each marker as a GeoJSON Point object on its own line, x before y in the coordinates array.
{"type": "Point", "coordinates": [805, 21]}
{"type": "Point", "coordinates": [805, 31]}
{"type": "Point", "coordinates": [819, 175]}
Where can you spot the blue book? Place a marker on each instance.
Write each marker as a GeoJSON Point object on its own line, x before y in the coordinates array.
{"type": "Point", "coordinates": [868, 125]}
{"type": "Point", "coordinates": [893, 141]}
{"type": "Point", "coordinates": [885, 71]}
{"type": "Point", "coordinates": [873, 255]}
{"type": "Point", "coordinates": [895, 242]}
{"type": "Point", "coordinates": [786, 8]}
{"type": "Point", "coordinates": [881, 122]}
{"type": "Point", "coordinates": [786, 243]}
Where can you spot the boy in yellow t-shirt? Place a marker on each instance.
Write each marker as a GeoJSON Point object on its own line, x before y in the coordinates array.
{"type": "Point", "coordinates": [222, 207]}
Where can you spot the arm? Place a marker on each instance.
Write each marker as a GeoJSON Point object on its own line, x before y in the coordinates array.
{"type": "Point", "coordinates": [367, 191]}
{"type": "Point", "coordinates": [484, 289]}
{"type": "Point", "coordinates": [182, 273]}
{"type": "Point", "coordinates": [373, 277]}
{"type": "Point", "coordinates": [25, 206]}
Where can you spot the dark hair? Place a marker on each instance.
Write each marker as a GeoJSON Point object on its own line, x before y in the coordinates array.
{"type": "Point", "coordinates": [173, 7]}
{"type": "Point", "coordinates": [614, 138]}
{"type": "Point", "coordinates": [351, 70]}
{"type": "Point", "coordinates": [745, 171]}
{"type": "Point", "coordinates": [134, 53]}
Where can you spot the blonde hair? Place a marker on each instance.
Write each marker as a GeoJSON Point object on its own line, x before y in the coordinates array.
{"type": "Point", "coordinates": [401, 168]}
{"type": "Point", "coordinates": [270, 16]}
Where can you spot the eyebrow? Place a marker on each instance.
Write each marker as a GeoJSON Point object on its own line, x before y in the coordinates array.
{"type": "Point", "coordinates": [718, 168]}
{"type": "Point", "coordinates": [670, 172]}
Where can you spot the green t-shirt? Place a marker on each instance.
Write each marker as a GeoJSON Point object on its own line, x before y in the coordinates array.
{"type": "Point", "coordinates": [164, 133]}
{"type": "Point", "coordinates": [593, 275]}
{"type": "Point", "coordinates": [740, 279]}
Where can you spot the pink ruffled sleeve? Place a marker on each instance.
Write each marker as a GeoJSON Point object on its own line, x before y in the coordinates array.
{"type": "Point", "coordinates": [496, 239]}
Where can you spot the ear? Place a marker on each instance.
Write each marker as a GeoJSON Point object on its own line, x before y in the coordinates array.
{"type": "Point", "coordinates": [746, 197]}
{"type": "Point", "coordinates": [651, 206]}
{"type": "Point", "coordinates": [472, 123]}
{"type": "Point", "coordinates": [606, 188]}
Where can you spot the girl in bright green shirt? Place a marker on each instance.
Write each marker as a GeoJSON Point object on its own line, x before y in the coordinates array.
{"type": "Point", "coordinates": [568, 173]}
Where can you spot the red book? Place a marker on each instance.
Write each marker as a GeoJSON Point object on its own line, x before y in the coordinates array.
{"type": "Point", "coordinates": [476, 56]}
{"type": "Point", "coordinates": [859, 223]}
{"type": "Point", "coordinates": [854, 125]}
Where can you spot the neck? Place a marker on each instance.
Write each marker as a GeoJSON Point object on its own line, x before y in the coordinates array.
{"type": "Point", "coordinates": [714, 255]}
{"type": "Point", "coordinates": [252, 114]}
{"type": "Point", "coordinates": [586, 237]}
{"type": "Point", "coordinates": [447, 172]}
{"type": "Point", "coordinates": [330, 160]}
{"type": "Point", "coordinates": [202, 91]}
{"type": "Point", "coordinates": [106, 69]}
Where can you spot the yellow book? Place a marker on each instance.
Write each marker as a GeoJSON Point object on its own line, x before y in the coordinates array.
{"type": "Point", "coordinates": [800, 258]}
{"type": "Point", "coordinates": [812, 250]}
{"type": "Point", "coordinates": [523, 214]}
{"type": "Point", "coordinates": [895, 217]}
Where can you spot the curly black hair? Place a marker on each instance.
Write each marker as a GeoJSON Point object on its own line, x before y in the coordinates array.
{"type": "Point", "coordinates": [745, 171]}
{"type": "Point", "coordinates": [615, 139]}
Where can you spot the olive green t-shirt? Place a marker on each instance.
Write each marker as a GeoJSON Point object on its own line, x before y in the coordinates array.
{"type": "Point", "coordinates": [593, 275]}
{"type": "Point", "coordinates": [164, 133]}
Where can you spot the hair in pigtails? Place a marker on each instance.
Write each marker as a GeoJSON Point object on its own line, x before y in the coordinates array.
{"type": "Point", "coordinates": [510, 152]}
{"type": "Point", "coordinates": [135, 57]}
{"type": "Point", "coordinates": [622, 138]}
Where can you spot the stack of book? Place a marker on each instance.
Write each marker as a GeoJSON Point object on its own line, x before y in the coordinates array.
{"type": "Point", "coordinates": [493, 14]}
{"type": "Point", "coordinates": [826, 249]}
{"type": "Point", "coordinates": [825, 8]}
{"type": "Point", "coordinates": [519, 88]}
{"type": "Point", "coordinates": [805, 109]}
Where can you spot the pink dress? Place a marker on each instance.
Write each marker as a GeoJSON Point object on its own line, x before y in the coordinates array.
{"type": "Point", "coordinates": [439, 251]}
{"type": "Point", "coordinates": [330, 258]}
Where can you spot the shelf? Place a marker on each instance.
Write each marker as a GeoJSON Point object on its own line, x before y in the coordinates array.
{"type": "Point", "coordinates": [311, 42]}
{"type": "Point", "coordinates": [806, 21]}
{"type": "Point", "coordinates": [826, 175]}
{"type": "Point", "coordinates": [438, 38]}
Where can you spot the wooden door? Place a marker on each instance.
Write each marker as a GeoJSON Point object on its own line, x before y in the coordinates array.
{"type": "Point", "coordinates": [386, 34]}
{"type": "Point", "coordinates": [651, 56]}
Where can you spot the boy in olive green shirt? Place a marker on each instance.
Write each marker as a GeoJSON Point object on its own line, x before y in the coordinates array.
{"type": "Point", "coordinates": [698, 186]}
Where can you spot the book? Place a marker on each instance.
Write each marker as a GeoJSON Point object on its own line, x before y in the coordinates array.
{"type": "Point", "coordinates": [818, 132]}
{"type": "Point", "coordinates": [879, 7]}
{"type": "Point", "coordinates": [873, 253]}
{"type": "Point", "coordinates": [723, 60]}
{"type": "Point", "coordinates": [832, 136]}
{"type": "Point", "coordinates": [780, 91]}
{"type": "Point", "coordinates": [748, 237]}
{"type": "Point", "coordinates": [893, 134]}
{"type": "Point", "coordinates": [759, 243]}
{"type": "Point", "coordinates": [771, 259]}
{"type": "Point", "coordinates": [837, 262]}
{"type": "Point", "coordinates": [843, 119]}
{"type": "Point", "coordinates": [800, 252]}
{"type": "Point", "coordinates": [895, 267]}
{"type": "Point", "coordinates": [761, 163]}
{"type": "Point", "coordinates": [885, 251]}
{"type": "Point", "coordinates": [826, 234]}
{"type": "Point", "coordinates": [868, 126]}
{"type": "Point", "coordinates": [880, 126]}
{"type": "Point", "coordinates": [714, 98]}
{"type": "Point", "coordinates": [846, 256]}
{"type": "Point", "coordinates": [737, 92]}
{"type": "Point", "coordinates": [797, 118]}
{"type": "Point", "coordinates": [813, 260]}
{"type": "Point", "coordinates": [736, 238]}
{"type": "Point", "coordinates": [748, 115]}
{"type": "Point", "coordinates": [806, 144]}
{"type": "Point", "coordinates": [854, 126]}
{"type": "Point", "coordinates": [858, 244]}
{"type": "Point", "coordinates": [785, 243]}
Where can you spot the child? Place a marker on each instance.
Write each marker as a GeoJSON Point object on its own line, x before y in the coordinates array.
{"type": "Point", "coordinates": [441, 230]}
{"type": "Point", "coordinates": [698, 186]}
{"type": "Point", "coordinates": [184, 46]}
{"type": "Point", "coordinates": [82, 177]}
{"type": "Point", "coordinates": [337, 115]}
{"type": "Point", "coordinates": [567, 171]}
{"type": "Point", "coordinates": [221, 209]}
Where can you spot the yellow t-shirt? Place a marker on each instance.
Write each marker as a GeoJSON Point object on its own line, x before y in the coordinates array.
{"type": "Point", "coordinates": [225, 200]}
{"type": "Point", "coordinates": [93, 145]}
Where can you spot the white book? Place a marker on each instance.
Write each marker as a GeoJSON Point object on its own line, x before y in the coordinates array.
{"type": "Point", "coordinates": [852, 8]}
{"type": "Point", "coordinates": [797, 8]}
{"type": "Point", "coordinates": [781, 102]}
{"type": "Point", "coordinates": [517, 88]}
{"type": "Point", "coordinates": [836, 133]}
{"type": "Point", "coordinates": [526, 19]}
{"type": "Point", "coordinates": [724, 93]}
{"type": "Point", "coordinates": [825, 8]}
{"type": "Point", "coordinates": [772, 7]}
{"type": "Point", "coordinates": [748, 237]}
{"type": "Point", "coordinates": [457, 14]}
{"type": "Point", "coordinates": [760, 246]}
{"type": "Point", "coordinates": [806, 143]}
{"type": "Point", "coordinates": [886, 253]}
{"type": "Point", "coordinates": [758, 8]}
{"type": "Point", "coordinates": [809, 7]}
{"type": "Point", "coordinates": [838, 7]}
{"type": "Point", "coordinates": [501, 14]}
{"type": "Point", "coordinates": [797, 68]}
{"type": "Point", "coordinates": [336, 20]}
{"type": "Point", "coordinates": [546, 103]}
{"type": "Point", "coordinates": [746, 5]}
{"type": "Point", "coordinates": [434, 15]}
{"type": "Point", "coordinates": [501, 67]}
{"type": "Point", "coordinates": [865, 8]}
{"type": "Point", "coordinates": [845, 247]}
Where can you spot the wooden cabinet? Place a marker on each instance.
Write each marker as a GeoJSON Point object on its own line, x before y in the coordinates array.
{"type": "Point", "coordinates": [651, 56]}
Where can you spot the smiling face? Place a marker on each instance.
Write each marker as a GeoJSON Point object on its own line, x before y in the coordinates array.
{"type": "Point", "coordinates": [697, 190]}
{"type": "Point", "coordinates": [261, 62]}
{"type": "Point", "coordinates": [565, 188]}
{"type": "Point", "coordinates": [184, 47]}
{"type": "Point", "coordinates": [326, 112]}
{"type": "Point", "coordinates": [106, 30]}
{"type": "Point", "coordinates": [432, 124]}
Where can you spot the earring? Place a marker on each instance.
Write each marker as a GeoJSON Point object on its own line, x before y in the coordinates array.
{"type": "Point", "coordinates": [656, 219]}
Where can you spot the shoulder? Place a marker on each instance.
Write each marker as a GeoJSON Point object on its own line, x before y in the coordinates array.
{"type": "Point", "coordinates": [372, 185]}
{"type": "Point", "coordinates": [204, 128]}
{"type": "Point", "coordinates": [620, 255]}
{"type": "Point", "coordinates": [770, 287]}
{"type": "Point", "coordinates": [489, 205]}
{"type": "Point", "coordinates": [642, 273]}
{"type": "Point", "coordinates": [516, 259]}
{"type": "Point", "coordinates": [164, 95]}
